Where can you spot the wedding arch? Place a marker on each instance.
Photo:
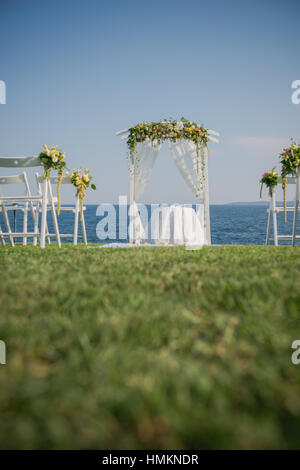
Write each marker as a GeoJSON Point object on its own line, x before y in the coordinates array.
{"type": "Point", "coordinates": [188, 144]}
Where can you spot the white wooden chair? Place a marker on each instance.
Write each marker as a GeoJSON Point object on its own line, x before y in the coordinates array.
{"type": "Point", "coordinates": [53, 180]}
{"type": "Point", "coordinates": [28, 198]}
{"type": "Point", "coordinates": [15, 206]}
{"type": "Point", "coordinates": [274, 210]}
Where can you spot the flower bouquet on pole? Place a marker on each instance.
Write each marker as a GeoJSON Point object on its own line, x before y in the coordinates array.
{"type": "Point", "coordinates": [290, 161]}
{"type": "Point", "coordinates": [270, 180]}
{"type": "Point", "coordinates": [53, 158]}
{"type": "Point", "coordinates": [81, 179]}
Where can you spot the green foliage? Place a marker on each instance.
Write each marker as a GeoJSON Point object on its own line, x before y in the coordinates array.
{"type": "Point", "coordinates": [149, 348]}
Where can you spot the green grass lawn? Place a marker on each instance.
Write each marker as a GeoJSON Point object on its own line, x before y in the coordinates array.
{"type": "Point", "coordinates": [150, 348]}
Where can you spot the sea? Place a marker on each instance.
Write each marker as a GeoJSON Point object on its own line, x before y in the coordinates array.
{"type": "Point", "coordinates": [241, 224]}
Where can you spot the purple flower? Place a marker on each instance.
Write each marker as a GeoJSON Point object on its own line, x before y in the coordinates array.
{"type": "Point", "coordinates": [264, 175]}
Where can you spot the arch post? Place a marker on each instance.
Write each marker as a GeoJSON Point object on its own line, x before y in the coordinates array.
{"type": "Point", "coordinates": [206, 201]}
{"type": "Point", "coordinates": [131, 201]}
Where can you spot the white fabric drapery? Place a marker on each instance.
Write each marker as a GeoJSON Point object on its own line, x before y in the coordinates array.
{"type": "Point", "coordinates": [193, 169]}
{"type": "Point", "coordinates": [184, 154]}
{"type": "Point", "coordinates": [177, 224]}
{"type": "Point", "coordinates": [140, 170]}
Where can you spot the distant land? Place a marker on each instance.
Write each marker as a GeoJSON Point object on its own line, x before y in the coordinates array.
{"type": "Point", "coordinates": [255, 203]}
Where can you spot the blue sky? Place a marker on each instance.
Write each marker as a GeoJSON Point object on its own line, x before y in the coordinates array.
{"type": "Point", "coordinates": [78, 71]}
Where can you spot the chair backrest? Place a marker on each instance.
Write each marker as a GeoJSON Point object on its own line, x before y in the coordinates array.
{"type": "Point", "coordinates": [53, 180]}
{"type": "Point", "coordinates": [289, 180]}
{"type": "Point", "coordinates": [16, 179]}
{"type": "Point", "coordinates": [19, 162]}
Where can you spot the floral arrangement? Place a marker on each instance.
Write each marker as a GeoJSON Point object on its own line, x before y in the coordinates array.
{"type": "Point", "coordinates": [81, 179]}
{"type": "Point", "coordinates": [290, 161]}
{"type": "Point", "coordinates": [171, 129]}
{"type": "Point", "coordinates": [53, 158]}
{"type": "Point", "coordinates": [270, 179]}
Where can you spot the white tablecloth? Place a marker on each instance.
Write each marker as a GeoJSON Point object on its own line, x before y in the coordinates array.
{"type": "Point", "coordinates": [177, 225]}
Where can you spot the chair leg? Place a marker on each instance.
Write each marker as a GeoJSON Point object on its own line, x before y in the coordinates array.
{"type": "Point", "coordinates": [25, 222]}
{"type": "Point", "coordinates": [268, 227]}
{"type": "Point", "coordinates": [83, 229]}
{"type": "Point", "coordinates": [275, 228]}
{"type": "Point", "coordinates": [44, 214]}
{"type": "Point", "coordinates": [274, 212]}
{"type": "Point", "coordinates": [75, 238]}
{"type": "Point", "coordinates": [296, 211]}
{"type": "Point", "coordinates": [7, 225]}
{"type": "Point", "coordinates": [35, 218]}
{"type": "Point", "coordinates": [55, 223]}
{"type": "Point", "coordinates": [295, 223]}
{"type": "Point", "coordinates": [56, 226]}
{"type": "Point", "coordinates": [2, 237]}
{"type": "Point", "coordinates": [47, 235]}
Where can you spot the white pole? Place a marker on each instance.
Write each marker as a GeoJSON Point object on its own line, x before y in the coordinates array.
{"type": "Point", "coordinates": [54, 218]}
{"type": "Point", "coordinates": [76, 213]}
{"type": "Point", "coordinates": [274, 219]}
{"type": "Point", "coordinates": [44, 213]}
{"type": "Point", "coordinates": [296, 208]}
{"type": "Point", "coordinates": [206, 200]}
{"type": "Point", "coordinates": [83, 228]}
{"type": "Point", "coordinates": [268, 223]}
{"type": "Point", "coordinates": [131, 200]}
{"type": "Point", "coordinates": [2, 238]}
{"type": "Point", "coordinates": [7, 224]}
{"type": "Point", "coordinates": [25, 223]}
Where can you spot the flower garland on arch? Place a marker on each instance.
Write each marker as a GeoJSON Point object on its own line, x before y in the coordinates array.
{"type": "Point", "coordinates": [169, 129]}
